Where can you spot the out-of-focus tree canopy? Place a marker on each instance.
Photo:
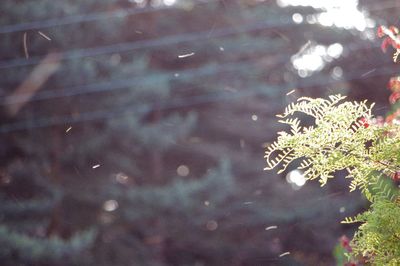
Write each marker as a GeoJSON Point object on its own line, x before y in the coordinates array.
{"type": "Point", "coordinates": [133, 132]}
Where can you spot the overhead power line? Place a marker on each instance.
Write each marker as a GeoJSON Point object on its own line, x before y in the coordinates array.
{"type": "Point", "coordinates": [120, 13]}
{"type": "Point", "coordinates": [179, 103]}
{"type": "Point", "coordinates": [88, 17]}
{"type": "Point", "coordinates": [130, 82]}
{"type": "Point", "coordinates": [168, 40]}
{"type": "Point", "coordinates": [126, 83]}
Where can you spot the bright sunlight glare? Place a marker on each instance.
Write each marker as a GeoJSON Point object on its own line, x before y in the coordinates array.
{"type": "Point", "coordinates": [339, 13]}
{"type": "Point", "coordinates": [296, 179]}
{"type": "Point", "coordinates": [314, 57]}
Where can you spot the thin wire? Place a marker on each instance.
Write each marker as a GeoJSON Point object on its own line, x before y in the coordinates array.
{"type": "Point", "coordinates": [120, 13]}
{"type": "Point", "coordinates": [89, 17]}
{"type": "Point", "coordinates": [130, 46]}
{"type": "Point", "coordinates": [169, 40]}
{"type": "Point", "coordinates": [175, 103]}
{"type": "Point", "coordinates": [126, 83]}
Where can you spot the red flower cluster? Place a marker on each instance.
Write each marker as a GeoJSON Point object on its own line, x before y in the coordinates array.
{"type": "Point", "coordinates": [394, 86]}
{"type": "Point", "coordinates": [390, 39]}
{"type": "Point", "coordinates": [394, 97]}
{"type": "Point", "coordinates": [345, 243]}
{"type": "Point", "coordinates": [363, 121]}
{"type": "Point", "coordinates": [393, 116]}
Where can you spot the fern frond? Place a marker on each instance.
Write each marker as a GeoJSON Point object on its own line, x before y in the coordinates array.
{"type": "Point", "coordinates": [273, 162]}
{"type": "Point", "coordinates": [351, 220]}
{"type": "Point", "coordinates": [336, 141]}
{"type": "Point", "coordinates": [340, 139]}
{"type": "Point", "coordinates": [305, 163]}
{"type": "Point", "coordinates": [383, 189]}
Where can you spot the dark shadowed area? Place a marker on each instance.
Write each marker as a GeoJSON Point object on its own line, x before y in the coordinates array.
{"type": "Point", "coordinates": [133, 131]}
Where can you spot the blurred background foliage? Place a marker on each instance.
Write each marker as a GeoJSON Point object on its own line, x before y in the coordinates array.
{"type": "Point", "coordinates": [133, 131]}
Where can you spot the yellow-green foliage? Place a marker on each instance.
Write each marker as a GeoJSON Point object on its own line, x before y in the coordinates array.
{"type": "Point", "coordinates": [344, 138]}
{"type": "Point", "coordinates": [378, 238]}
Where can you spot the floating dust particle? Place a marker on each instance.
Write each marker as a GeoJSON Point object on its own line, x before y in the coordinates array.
{"type": "Point", "coordinates": [284, 254]}
{"type": "Point", "coordinates": [183, 170]}
{"type": "Point", "coordinates": [271, 227]}
{"type": "Point", "coordinates": [68, 129]}
{"type": "Point", "coordinates": [368, 72]}
{"type": "Point", "coordinates": [304, 47]}
{"type": "Point", "coordinates": [121, 178]}
{"type": "Point", "coordinates": [186, 55]}
{"type": "Point", "coordinates": [110, 205]}
{"type": "Point", "coordinates": [44, 35]}
{"type": "Point", "coordinates": [290, 92]}
{"type": "Point", "coordinates": [95, 166]}
{"type": "Point", "coordinates": [212, 225]}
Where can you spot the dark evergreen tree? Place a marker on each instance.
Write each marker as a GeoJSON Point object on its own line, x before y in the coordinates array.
{"type": "Point", "coordinates": [144, 145]}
